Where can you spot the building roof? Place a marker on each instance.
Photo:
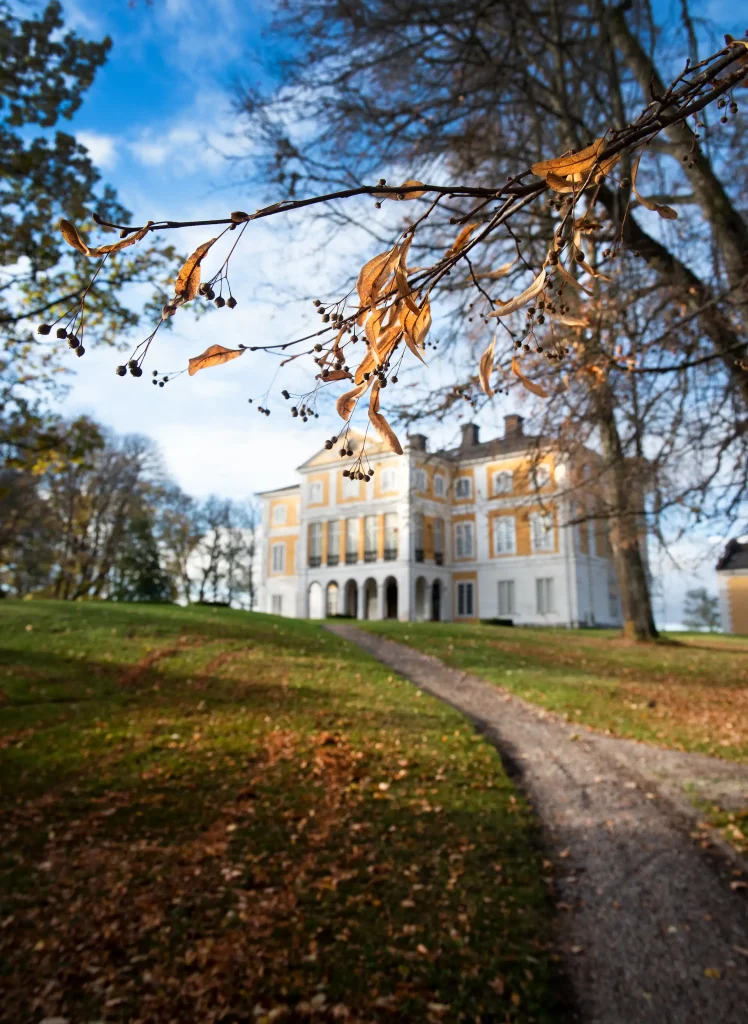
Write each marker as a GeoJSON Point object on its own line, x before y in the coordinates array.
{"type": "Point", "coordinates": [735, 555]}
{"type": "Point", "coordinates": [278, 490]}
{"type": "Point", "coordinates": [514, 440]}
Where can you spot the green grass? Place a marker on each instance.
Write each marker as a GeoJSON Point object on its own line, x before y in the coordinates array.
{"type": "Point", "coordinates": [689, 692]}
{"type": "Point", "coordinates": [209, 815]}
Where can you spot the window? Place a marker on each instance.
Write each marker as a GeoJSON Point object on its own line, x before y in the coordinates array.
{"type": "Point", "coordinates": [503, 483]}
{"type": "Point", "coordinates": [370, 539]}
{"type": "Point", "coordinates": [351, 487]}
{"type": "Point", "coordinates": [506, 597]}
{"type": "Point", "coordinates": [333, 542]}
{"type": "Point", "coordinates": [504, 538]}
{"type": "Point", "coordinates": [332, 600]}
{"type": "Point", "coordinates": [439, 541]}
{"type": "Point", "coordinates": [388, 480]}
{"type": "Point", "coordinates": [591, 537]}
{"type": "Point", "coordinates": [315, 492]}
{"type": "Point", "coordinates": [279, 557]}
{"type": "Point", "coordinates": [544, 595]}
{"type": "Point", "coordinates": [463, 487]}
{"type": "Point", "coordinates": [276, 604]}
{"type": "Point", "coordinates": [463, 540]}
{"type": "Point", "coordinates": [465, 600]}
{"type": "Point", "coordinates": [541, 531]}
{"type": "Point", "coordinates": [280, 514]}
{"type": "Point", "coordinates": [439, 486]}
{"type": "Point", "coordinates": [315, 544]}
{"type": "Point", "coordinates": [351, 541]}
{"type": "Point", "coordinates": [541, 475]}
{"type": "Point", "coordinates": [418, 536]}
{"type": "Point", "coordinates": [419, 479]}
{"type": "Point", "coordinates": [390, 536]}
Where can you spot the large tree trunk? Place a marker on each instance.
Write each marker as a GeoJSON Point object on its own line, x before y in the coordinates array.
{"type": "Point", "coordinates": [626, 520]}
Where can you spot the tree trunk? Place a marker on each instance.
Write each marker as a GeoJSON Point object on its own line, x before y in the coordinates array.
{"type": "Point", "coordinates": [625, 526]}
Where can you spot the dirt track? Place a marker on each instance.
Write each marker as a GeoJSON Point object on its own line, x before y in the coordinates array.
{"type": "Point", "coordinates": [649, 923]}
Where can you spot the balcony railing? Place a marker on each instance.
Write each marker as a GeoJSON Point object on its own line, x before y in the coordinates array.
{"type": "Point", "coordinates": [315, 561]}
{"type": "Point", "coordinates": [390, 554]}
{"type": "Point", "coordinates": [351, 557]}
{"type": "Point", "coordinates": [370, 556]}
{"type": "Point", "coordinates": [333, 559]}
{"type": "Point", "coordinates": [439, 557]}
{"type": "Point", "coordinates": [419, 554]}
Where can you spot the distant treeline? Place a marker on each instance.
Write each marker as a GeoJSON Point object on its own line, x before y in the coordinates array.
{"type": "Point", "coordinates": [101, 519]}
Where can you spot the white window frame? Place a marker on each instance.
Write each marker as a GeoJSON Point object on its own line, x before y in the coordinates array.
{"type": "Point", "coordinates": [351, 487]}
{"type": "Point", "coordinates": [276, 604]}
{"type": "Point", "coordinates": [545, 598]}
{"type": "Point", "coordinates": [390, 531]}
{"type": "Point", "coordinates": [504, 535]}
{"type": "Point", "coordinates": [280, 515]}
{"type": "Point", "coordinates": [465, 599]}
{"type": "Point", "coordinates": [439, 485]}
{"type": "Point", "coordinates": [506, 598]}
{"type": "Point", "coordinates": [370, 533]}
{"type": "Point", "coordinates": [419, 480]}
{"type": "Point", "coordinates": [464, 540]}
{"type": "Point", "coordinates": [351, 537]}
{"type": "Point", "coordinates": [278, 557]}
{"type": "Point", "coordinates": [333, 537]}
{"type": "Point", "coordinates": [503, 482]}
{"type": "Point", "coordinates": [314, 536]}
{"type": "Point", "coordinates": [316, 492]}
{"type": "Point", "coordinates": [388, 480]}
{"type": "Point", "coordinates": [545, 540]}
{"type": "Point", "coordinates": [463, 487]}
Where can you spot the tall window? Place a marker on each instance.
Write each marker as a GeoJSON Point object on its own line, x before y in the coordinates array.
{"type": "Point", "coordinates": [390, 536]}
{"type": "Point", "coordinates": [351, 541]}
{"type": "Point", "coordinates": [370, 538]}
{"type": "Point", "coordinates": [315, 492]}
{"type": "Point", "coordinates": [276, 604]}
{"type": "Point", "coordinates": [463, 540]}
{"type": "Point", "coordinates": [504, 535]}
{"type": "Point", "coordinates": [542, 475]}
{"type": "Point", "coordinates": [541, 531]}
{"type": "Point", "coordinates": [418, 535]}
{"type": "Point", "coordinates": [388, 479]}
{"type": "Point", "coordinates": [463, 487]}
{"type": "Point", "coordinates": [438, 540]}
{"type": "Point", "coordinates": [506, 597]}
{"type": "Point", "coordinates": [439, 486]}
{"type": "Point", "coordinates": [279, 557]}
{"type": "Point", "coordinates": [333, 542]}
{"type": "Point", "coordinates": [332, 599]}
{"type": "Point", "coordinates": [503, 483]}
{"type": "Point", "coordinates": [466, 599]}
{"type": "Point", "coordinates": [351, 487]}
{"type": "Point", "coordinates": [280, 513]}
{"type": "Point", "coordinates": [544, 595]}
{"type": "Point", "coordinates": [591, 538]}
{"type": "Point", "coordinates": [419, 479]}
{"type": "Point", "coordinates": [315, 544]}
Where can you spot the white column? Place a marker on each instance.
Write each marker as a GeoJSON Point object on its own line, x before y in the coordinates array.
{"type": "Point", "coordinates": [361, 606]}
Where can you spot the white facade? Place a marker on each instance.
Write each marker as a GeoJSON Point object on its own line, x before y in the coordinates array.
{"type": "Point", "coordinates": [466, 534]}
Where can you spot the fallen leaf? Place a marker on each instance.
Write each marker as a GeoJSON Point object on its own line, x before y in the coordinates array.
{"type": "Point", "coordinates": [213, 356]}
{"type": "Point", "coordinates": [712, 972]}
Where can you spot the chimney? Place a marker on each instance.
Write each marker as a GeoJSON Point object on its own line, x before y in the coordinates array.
{"type": "Point", "coordinates": [417, 442]}
{"type": "Point", "coordinates": [513, 426]}
{"type": "Point", "coordinates": [469, 435]}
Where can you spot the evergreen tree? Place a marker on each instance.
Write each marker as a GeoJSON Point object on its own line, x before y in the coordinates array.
{"type": "Point", "coordinates": [701, 610]}
{"type": "Point", "coordinates": [138, 574]}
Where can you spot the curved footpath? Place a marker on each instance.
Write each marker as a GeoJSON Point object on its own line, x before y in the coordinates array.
{"type": "Point", "coordinates": [653, 927]}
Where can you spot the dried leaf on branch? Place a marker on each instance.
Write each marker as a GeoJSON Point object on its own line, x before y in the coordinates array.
{"type": "Point", "coordinates": [530, 385]}
{"type": "Point", "coordinates": [188, 279]}
{"type": "Point", "coordinates": [380, 424]}
{"type": "Point", "coordinates": [462, 239]}
{"type": "Point", "coordinates": [495, 275]}
{"type": "Point", "coordinates": [73, 237]}
{"type": "Point", "coordinates": [667, 212]}
{"type": "Point", "coordinates": [485, 368]}
{"type": "Point", "coordinates": [406, 195]}
{"type": "Point", "coordinates": [213, 356]}
{"type": "Point", "coordinates": [573, 163]}
{"type": "Point", "coordinates": [416, 327]}
{"type": "Point", "coordinates": [346, 403]}
{"type": "Point", "coordinates": [523, 298]}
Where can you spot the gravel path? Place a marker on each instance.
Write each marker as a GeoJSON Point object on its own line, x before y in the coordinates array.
{"type": "Point", "coordinates": [649, 925]}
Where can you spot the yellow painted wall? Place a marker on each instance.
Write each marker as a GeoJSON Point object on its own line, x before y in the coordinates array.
{"type": "Point", "coordinates": [339, 491]}
{"type": "Point", "coordinates": [324, 479]}
{"type": "Point", "coordinates": [737, 592]}
{"type": "Point", "coordinates": [290, 545]}
{"type": "Point", "coordinates": [522, 481]}
{"type": "Point", "coordinates": [291, 505]}
{"type": "Point", "coordinates": [522, 517]}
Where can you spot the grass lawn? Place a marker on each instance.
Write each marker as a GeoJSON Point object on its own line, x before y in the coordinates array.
{"type": "Point", "coordinates": [207, 815]}
{"type": "Point", "coordinates": [689, 692]}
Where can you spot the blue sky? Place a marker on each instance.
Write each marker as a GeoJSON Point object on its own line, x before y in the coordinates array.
{"type": "Point", "coordinates": [158, 121]}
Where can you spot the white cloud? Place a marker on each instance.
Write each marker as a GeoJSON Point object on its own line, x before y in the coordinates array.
{"type": "Point", "coordinates": [103, 148]}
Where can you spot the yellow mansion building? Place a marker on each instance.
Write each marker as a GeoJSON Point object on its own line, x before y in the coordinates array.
{"type": "Point", "coordinates": [479, 531]}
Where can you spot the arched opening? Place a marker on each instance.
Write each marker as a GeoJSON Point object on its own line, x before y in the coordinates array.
{"type": "Point", "coordinates": [370, 599]}
{"type": "Point", "coordinates": [436, 601]}
{"type": "Point", "coordinates": [350, 599]}
{"type": "Point", "coordinates": [390, 598]}
{"type": "Point", "coordinates": [316, 602]}
{"type": "Point", "coordinates": [420, 609]}
{"type": "Point", "coordinates": [332, 599]}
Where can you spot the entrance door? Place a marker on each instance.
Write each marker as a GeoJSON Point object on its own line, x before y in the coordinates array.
{"type": "Point", "coordinates": [436, 601]}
